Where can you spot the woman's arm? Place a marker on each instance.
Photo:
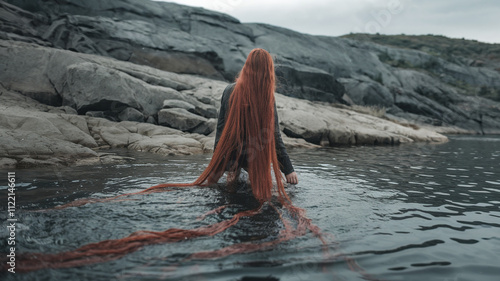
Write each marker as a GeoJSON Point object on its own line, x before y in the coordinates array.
{"type": "Point", "coordinates": [285, 164]}
{"type": "Point", "coordinates": [221, 119]}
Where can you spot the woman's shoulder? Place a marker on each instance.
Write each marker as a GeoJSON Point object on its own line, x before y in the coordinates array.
{"type": "Point", "coordinates": [228, 90]}
{"type": "Point", "coordinates": [230, 87]}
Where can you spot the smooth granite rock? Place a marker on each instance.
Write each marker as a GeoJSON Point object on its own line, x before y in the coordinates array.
{"type": "Point", "coordinates": [36, 134]}
{"type": "Point", "coordinates": [179, 118]}
{"type": "Point", "coordinates": [421, 88]}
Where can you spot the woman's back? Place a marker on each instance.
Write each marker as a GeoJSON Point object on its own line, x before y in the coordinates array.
{"type": "Point", "coordinates": [248, 135]}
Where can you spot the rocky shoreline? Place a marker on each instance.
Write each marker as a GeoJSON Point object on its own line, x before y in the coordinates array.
{"type": "Point", "coordinates": [79, 77]}
{"type": "Point", "coordinates": [180, 109]}
{"type": "Point", "coordinates": [412, 86]}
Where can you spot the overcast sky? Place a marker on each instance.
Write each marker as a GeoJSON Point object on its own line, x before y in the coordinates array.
{"type": "Point", "coordinates": [471, 19]}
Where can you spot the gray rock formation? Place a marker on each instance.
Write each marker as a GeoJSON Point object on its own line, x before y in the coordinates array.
{"type": "Point", "coordinates": [34, 134]}
{"type": "Point", "coordinates": [92, 85]}
{"type": "Point", "coordinates": [420, 87]}
{"type": "Point", "coordinates": [147, 63]}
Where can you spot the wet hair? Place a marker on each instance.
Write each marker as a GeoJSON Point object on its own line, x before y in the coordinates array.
{"type": "Point", "coordinates": [248, 132]}
{"type": "Point", "coordinates": [249, 129]}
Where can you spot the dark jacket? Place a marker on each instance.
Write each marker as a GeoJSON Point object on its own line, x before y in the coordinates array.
{"type": "Point", "coordinates": [285, 163]}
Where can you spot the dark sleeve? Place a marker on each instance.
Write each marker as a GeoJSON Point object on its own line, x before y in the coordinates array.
{"type": "Point", "coordinates": [285, 163]}
{"type": "Point", "coordinates": [221, 119]}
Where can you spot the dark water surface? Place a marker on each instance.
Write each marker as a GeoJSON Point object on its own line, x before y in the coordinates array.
{"type": "Point", "coordinates": [408, 212]}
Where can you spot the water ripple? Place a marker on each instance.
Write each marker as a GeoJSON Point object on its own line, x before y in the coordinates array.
{"type": "Point", "coordinates": [408, 212]}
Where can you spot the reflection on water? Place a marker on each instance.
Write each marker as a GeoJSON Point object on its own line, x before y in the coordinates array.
{"type": "Point", "coordinates": [405, 212]}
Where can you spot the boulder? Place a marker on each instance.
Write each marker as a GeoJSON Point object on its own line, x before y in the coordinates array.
{"type": "Point", "coordinates": [44, 124]}
{"type": "Point", "coordinates": [151, 120]}
{"type": "Point", "coordinates": [329, 126]}
{"type": "Point", "coordinates": [205, 110]}
{"type": "Point", "coordinates": [206, 128]}
{"type": "Point", "coordinates": [179, 118]}
{"type": "Point", "coordinates": [100, 86]}
{"type": "Point", "coordinates": [19, 144]}
{"type": "Point", "coordinates": [131, 114]}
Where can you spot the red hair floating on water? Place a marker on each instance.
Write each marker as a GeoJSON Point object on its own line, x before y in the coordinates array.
{"type": "Point", "coordinates": [249, 132]}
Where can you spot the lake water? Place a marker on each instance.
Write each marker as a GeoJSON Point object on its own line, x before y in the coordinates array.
{"type": "Point", "coordinates": [408, 212]}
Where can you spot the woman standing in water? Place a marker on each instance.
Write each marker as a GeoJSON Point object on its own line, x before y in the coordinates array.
{"type": "Point", "coordinates": [247, 137]}
{"type": "Point", "coordinates": [253, 120]}
{"type": "Point", "coordinates": [248, 134]}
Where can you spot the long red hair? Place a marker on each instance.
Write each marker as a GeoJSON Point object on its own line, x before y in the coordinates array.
{"type": "Point", "coordinates": [249, 133]}
{"type": "Point", "coordinates": [249, 129]}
